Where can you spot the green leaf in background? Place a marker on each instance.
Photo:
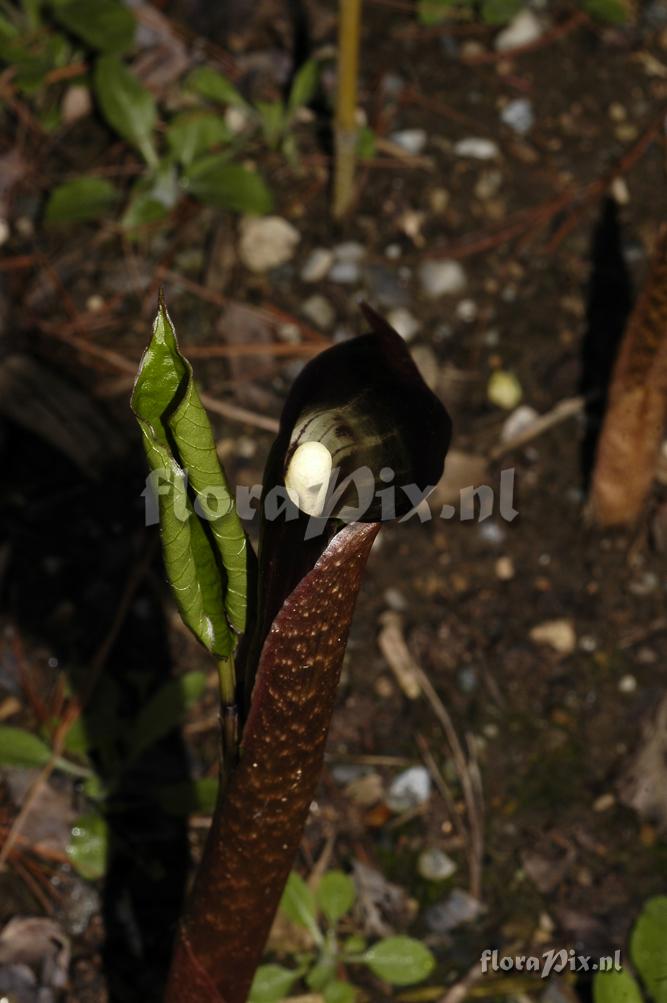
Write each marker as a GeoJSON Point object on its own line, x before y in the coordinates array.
{"type": "Point", "coordinates": [178, 438]}
{"type": "Point", "coordinates": [321, 973]}
{"type": "Point", "coordinates": [189, 797]}
{"type": "Point", "coordinates": [80, 200]}
{"type": "Point", "coordinates": [304, 85]}
{"type": "Point", "coordinates": [648, 947]}
{"type": "Point", "coordinates": [400, 961]}
{"type": "Point", "coordinates": [500, 11]}
{"type": "Point", "coordinates": [335, 895]}
{"type": "Point", "coordinates": [298, 904]}
{"type": "Point", "coordinates": [354, 945]}
{"type": "Point", "coordinates": [88, 846]}
{"type": "Point", "coordinates": [153, 197]}
{"type": "Point", "coordinates": [339, 992]}
{"type": "Point", "coordinates": [612, 11]}
{"type": "Point", "coordinates": [616, 987]}
{"type": "Point", "coordinates": [273, 120]}
{"type": "Point", "coordinates": [21, 748]}
{"type": "Point", "coordinates": [366, 143]}
{"type": "Point", "coordinates": [193, 133]}
{"type": "Point", "coordinates": [164, 711]}
{"type": "Point", "coordinates": [105, 24]}
{"type": "Point", "coordinates": [434, 11]}
{"type": "Point", "coordinates": [127, 106]}
{"type": "Point", "coordinates": [210, 84]}
{"type": "Point", "coordinates": [271, 983]}
{"type": "Point", "coordinates": [216, 182]}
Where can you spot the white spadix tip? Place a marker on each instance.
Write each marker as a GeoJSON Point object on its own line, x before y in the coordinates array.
{"type": "Point", "coordinates": [307, 477]}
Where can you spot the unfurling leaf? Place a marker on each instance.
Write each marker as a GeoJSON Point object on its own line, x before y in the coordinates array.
{"type": "Point", "coordinates": [401, 961]}
{"type": "Point", "coordinates": [202, 535]}
{"type": "Point", "coordinates": [80, 200]}
{"type": "Point", "coordinates": [211, 84]}
{"type": "Point", "coordinates": [105, 24]}
{"type": "Point", "coordinates": [21, 748]}
{"type": "Point", "coordinates": [127, 106]}
{"type": "Point", "coordinates": [304, 85]}
{"type": "Point", "coordinates": [636, 415]}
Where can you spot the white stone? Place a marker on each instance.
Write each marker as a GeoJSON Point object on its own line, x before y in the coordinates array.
{"type": "Point", "coordinates": [350, 250]}
{"type": "Point", "coordinates": [505, 569]}
{"type": "Point", "coordinates": [403, 322]}
{"type": "Point", "coordinates": [236, 119]}
{"type": "Point", "coordinates": [466, 311]}
{"type": "Point", "coordinates": [518, 422]}
{"type": "Point", "coordinates": [627, 684]}
{"type": "Point", "coordinates": [319, 310]}
{"type": "Point", "coordinates": [441, 278]}
{"type": "Point", "coordinates": [345, 272]}
{"type": "Point", "coordinates": [412, 141]}
{"type": "Point", "coordinates": [557, 634]}
{"type": "Point", "coordinates": [435, 865]}
{"type": "Point", "coordinates": [523, 29]}
{"type": "Point", "coordinates": [76, 103]}
{"type": "Point", "coordinates": [518, 115]}
{"type": "Point", "coordinates": [317, 264]}
{"type": "Point", "coordinates": [267, 242]}
{"type": "Point", "coordinates": [409, 789]}
{"type": "Point", "coordinates": [307, 477]}
{"type": "Point", "coordinates": [476, 148]}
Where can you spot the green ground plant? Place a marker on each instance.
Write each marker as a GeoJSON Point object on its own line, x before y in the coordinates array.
{"type": "Point", "coordinates": [326, 915]}
{"type": "Point", "coordinates": [648, 957]}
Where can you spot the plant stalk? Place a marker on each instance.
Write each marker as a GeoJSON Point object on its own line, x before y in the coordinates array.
{"type": "Point", "coordinates": [346, 105]}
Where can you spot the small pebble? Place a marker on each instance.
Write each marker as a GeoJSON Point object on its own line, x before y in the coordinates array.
{"type": "Point", "coordinates": [518, 115]}
{"type": "Point", "coordinates": [95, 303]}
{"type": "Point", "coordinates": [467, 679]}
{"type": "Point", "coordinates": [505, 569]}
{"type": "Point", "coordinates": [441, 278]}
{"type": "Point", "coordinates": [491, 532]}
{"type": "Point", "coordinates": [517, 423]}
{"type": "Point", "coordinates": [395, 600]}
{"type": "Point", "coordinates": [404, 322]}
{"type": "Point", "coordinates": [504, 390]}
{"type": "Point", "coordinates": [644, 584]}
{"type": "Point", "coordinates": [627, 684]}
{"type": "Point", "coordinates": [439, 199]}
{"type": "Point", "coordinates": [522, 30]}
{"type": "Point", "coordinates": [619, 191]}
{"type": "Point", "coordinates": [466, 311]}
{"type": "Point", "coordinates": [435, 865]}
{"type": "Point", "coordinates": [488, 184]}
{"type": "Point", "coordinates": [459, 908]}
{"type": "Point", "coordinates": [476, 148]}
{"type": "Point", "coordinates": [557, 634]}
{"type": "Point", "coordinates": [409, 789]}
{"type": "Point", "coordinates": [412, 141]}
{"type": "Point", "coordinates": [266, 242]}
{"type": "Point", "coordinates": [588, 643]}
{"type": "Point", "coordinates": [604, 802]}
{"type": "Point", "coordinates": [392, 251]}
{"type": "Point", "coordinates": [319, 310]}
{"type": "Point", "coordinates": [77, 103]}
{"type": "Point", "coordinates": [289, 332]}
{"type": "Point", "coordinates": [236, 119]}
{"type": "Point", "coordinates": [345, 272]}
{"type": "Point", "coordinates": [350, 250]}
{"type": "Point", "coordinates": [25, 226]}
{"type": "Point", "coordinates": [317, 264]}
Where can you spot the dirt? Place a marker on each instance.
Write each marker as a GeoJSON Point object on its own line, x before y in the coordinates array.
{"type": "Point", "coordinates": [565, 862]}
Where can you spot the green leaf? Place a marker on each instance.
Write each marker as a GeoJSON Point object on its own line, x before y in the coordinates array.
{"type": "Point", "coordinates": [612, 11]}
{"type": "Point", "coordinates": [165, 711]}
{"type": "Point", "coordinates": [216, 182]}
{"type": "Point", "coordinates": [616, 987]}
{"type": "Point", "coordinates": [80, 200]}
{"type": "Point", "coordinates": [500, 11]}
{"type": "Point", "coordinates": [648, 947]}
{"type": "Point", "coordinates": [271, 983]}
{"type": "Point", "coordinates": [189, 797]}
{"type": "Point", "coordinates": [178, 438]}
{"type": "Point", "coordinates": [212, 85]}
{"type": "Point", "coordinates": [21, 748]}
{"type": "Point", "coordinates": [366, 143]}
{"type": "Point", "coordinates": [304, 85]}
{"type": "Point", "coordinates": [273, 119]}
{"type": "Point", "coordinates": [335, 895]}
{"type": "Point", "coordinates": [193, 133]}
{"type": "Point", "coordinates": [298, 904]}
{"type": "Point", "coordinates": [434, 11]}
{"type": "Point", "coordinates": [321, 973]}
{"type": "Point", "coordinates": [400, 961]}
{"type": "Point", "coordinates": [339, 992]}
{"type": "Point", "coordinates": [127, 106]}
{"type": "Point", "coordinates": [354, 945]}
{"type": "Point", "coordinates": [88, 846]}
{"type": "Point", "coordinates": [153, 197]}
{"type": "Point", "coordinates": [104, 24]}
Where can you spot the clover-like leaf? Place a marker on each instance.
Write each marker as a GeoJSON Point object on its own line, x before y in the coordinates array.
{"type": "Point", "coordinates": [203, 541]}
{"type": "Point", "coordinates": [336, 893]}
{"type": "Point", "coordinates": [80, 200]}
{"type": "Point", "coordinates": [298, 904]}
{"type": "Point", "coordinates": [216, 182]}
{"type": "Point", "coordinates": [616, 987]}
{"type": "Point", "coordinates": [271, 983]}
{"type": "Point", "coordinates": [400, 961]}
{"type": "Point", "coordinates": [191, 134]}
{"type": "Point", "coordinates": [648, 947]}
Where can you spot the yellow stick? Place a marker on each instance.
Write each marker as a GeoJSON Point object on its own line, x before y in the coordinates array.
{"type": "Point", "coordinates": [346, 104]}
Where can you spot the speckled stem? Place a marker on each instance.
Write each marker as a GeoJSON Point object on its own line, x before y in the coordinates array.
{"type": "Point", "coordinates": [259, 821]}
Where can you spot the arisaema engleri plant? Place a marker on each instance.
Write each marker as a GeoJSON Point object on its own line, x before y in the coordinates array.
{"type": "Point", "coordinates": [358, 416]}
